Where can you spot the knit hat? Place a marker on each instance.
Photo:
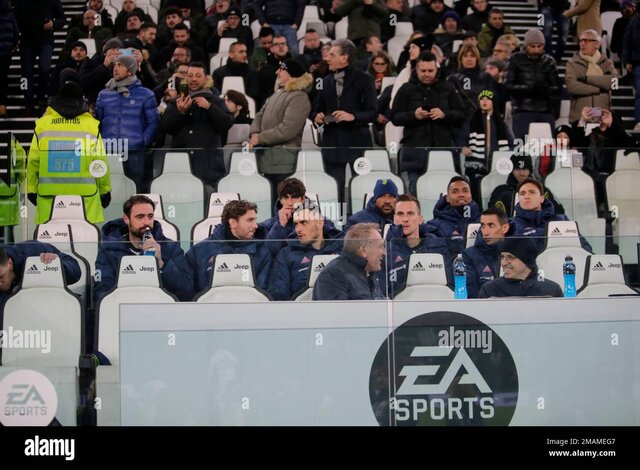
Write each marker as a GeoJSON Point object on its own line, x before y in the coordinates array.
{"type": "Point", "coordinates": [129, 62]}
{"type": "Point", "coordinates": [497, 63]}
{"type": "Point", "coordinates": [68, 75]}
{"type": "Point", "coordinates": [423, 42]}
{"type": "Point", "coordinates": [486, 94]}
{"type": "Point", "coordinates": [78, 44]}
{"type": "Point", "coordinates": [295, 68]}
{"type": "Point", "coordinates": [564, 128]}
{"type": "Point", "coordinates": [383, 187]}
{"type": "Point", "coordinates": [522, 248]}
{"type": "Point", "coordinates": [533, 36]}
{"type": "Point", "coordinates": [522, 162]}
{"type": "Point", "coordinates": [451, 14]}
{"type": "Point", "coordinates": [113, 43]}
{"type": "Point", "coordinates": [70, 90]}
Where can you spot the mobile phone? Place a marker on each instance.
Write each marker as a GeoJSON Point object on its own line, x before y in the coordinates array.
{"type": "Point", "coordinates": [127, 51]}
{"type": "Point", "coordinates": [183, 88]}
{"type": "Point", "coordinates": [329, 119]}
{"type": "Point", "coordinates": [596, 113]}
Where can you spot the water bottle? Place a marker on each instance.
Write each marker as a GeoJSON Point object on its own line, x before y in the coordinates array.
{"type": "Point", "coordinates": [146, 236]}
{"type": "Point", "coordinates": [569, 271]}
{"type": "Point", "coordinates": [460, 277]}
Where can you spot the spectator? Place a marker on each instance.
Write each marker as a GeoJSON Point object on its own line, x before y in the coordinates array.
{"type": "Point", "coordinates": [238, 233]}
{"type": "Point", "coordinates": [453, 212]}
{"type": "Point", "coordinates": [416, 47]}
{"type": "Point", "coordinates": [365, 18]}
{"type": "Point", "coordinates": [237, 66]}
{"type": "Point", "coordinates": [197, 120]}
{"type": "Point", "coordinates": [620, 26]}
{"type": "Point", "coordinates": [238, 106]}
{"type": "Point", "coordinates": [268, 70]}
{"type": "Point", "coordinates": [232, 27]}
{"type": "Point", "coordinates": [312, 50]}
{"type": "Point", "coordinates": [344, 106]}
{"type": "Point", "coordinates": [482, 260]}
{"type": "Point", "coordinates": [89, 29]}
{"type": "Point", "coordinates": [98, 6]}
{"type": "Point", "coordinates": [428, 16]}
{"type": "Point", "coordinates": [430, 111]}
{"type": "Point", "coordinates": [503, 196]}
{"type": "Point", "coordinates": [98, 70]}
{"type": "Point", "coordinates": [480, 16]}
{"type": "Point", "coordinates": [284, 17]}
{"type": "Point", "coordinates": [469, 79]}
{"type": "Point", "coordinates": [589, 76]}
{"type": "Point", "coordinates": [380, 207]}
{"type": "Point", "coordinates": [56, 167]}
{"type": "Point", "coordinates": [480, 136]}
{"type": "Point", "coordinates": [37, 19]}
{"type": "Point", "coordinates": [588, 13]}
{"type": "Point", "coordinates": [259, 55]}
{"type": "Point", "coordinates": [449, 32]}
{"type": "Point", "coordinates": [172, 18]}
{"type": "Point", "coordinates": [291, 192]}
{"type": "Point", "coordinates": [534, 212]}
{"type": "Point", "coordinates": [408, 235]}
{"type": "Point", "coordinates": [491, 31]}
{"type": "Point", "coordinates": [74, 62]}
{"type": "Point", "coordinates": [552, 12]}
{"type": "Point", "coordinates": [181, 37]}
{"type": "Point", "coordinates": [128, 7]}
{"type": "Point", "coordinates": [352, 276]}
{"type": "Point", "coordinates": [127, 113]}
{"type": "Point", "coordinates": [181, 56]}
{"type": "Point", "coordinates": [292, 267]}
{"type": "Point", "coordinates": [124, 237]}
{"type": "Point", "coordinates": [13, 259]}
{"type": "Point", "coordinates": [279, 124]}
{"type": "Point", "coordinates": [495, 69]}
{"type": "Point", "coordinates": [502, 50]}
{"type": "Point", "coordinates": [395, 14]}
{"type": "Point", "coordinates": [381, 66]}
{"type": "Point", "coordinates": [533, 82]}
{"type": "Point", "coordinates": [520, 279]}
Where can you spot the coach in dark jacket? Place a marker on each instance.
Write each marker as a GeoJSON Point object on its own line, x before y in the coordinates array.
{"type": "Point", "coordinates": [352, 276]}
{"type": "Point", "coordinates": [344, 107]}
{"type": "Point", "coordinates": [518, 261]}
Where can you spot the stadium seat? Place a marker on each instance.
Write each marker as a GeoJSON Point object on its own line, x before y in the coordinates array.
{"type": "Point", "coordinates": [430, 187]}
{"type": "Point", "coordinates": [362, 184]}
{"type": "Point", "coordinates": [318, 263]}
{"type": "Point", "coordinates": [237, 138]}
{"type": "Point", "coordinates": [231, 82]}
{"type": "Point", "coordinates": [44, 304]}
{"type": "Point", "coordinates": [378, 159]}
{"type": "Point", "coordinates": [426, 279]}
{"type": "Point", "coordinates": [243, 175]}
{"type": "Point", "coordinates": [170, 230]}
{"type": "Point", "coordinates": [472, 234]}
{"type": "Point", "coordinates": [179, 188]}
{"type": "Point", "coordinates": [233, 281]}
{"type": "Point", "coordinates": [604, 276]}
{"type": "Point", "coordinates": [440, 160]}
{"type": "Point", "coordinates": [575, 190]}
{"type": "Point", "coordinates": [121, 188]}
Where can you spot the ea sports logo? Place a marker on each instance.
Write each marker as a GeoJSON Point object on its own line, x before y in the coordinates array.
{"type": "Point", "coordinates": [28, 399]}
{"type": "Point", "coordinates": [443, 369]}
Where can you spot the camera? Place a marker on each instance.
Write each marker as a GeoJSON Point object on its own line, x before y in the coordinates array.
{"type": "Point", "coordinates": [596, 114]}
{"type": "Point", "coordinates": [127, 51]}
{"type": "Point", "coordinates": [329, 119]}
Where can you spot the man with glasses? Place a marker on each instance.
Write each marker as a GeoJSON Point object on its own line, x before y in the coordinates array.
{"type": "Point", "coordinates": [521, 277]}
{"type": "Point", "coordinates": [589, 76]}
{"type": "Point", "coordinates": [267, 72]}
{"type": "Point", "coordinates": [502, 50]}
{"type": "Point", "coordinates": [352, 275]}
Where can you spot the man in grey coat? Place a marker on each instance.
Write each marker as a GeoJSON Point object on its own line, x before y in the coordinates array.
{"type": "Point", "coordinates": [280, 122]}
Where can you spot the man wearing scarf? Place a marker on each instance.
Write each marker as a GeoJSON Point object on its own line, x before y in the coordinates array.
{"type": "Point", "coordinates": [128, 113]}
{"type": "Point", "coordinates": [589, 76]}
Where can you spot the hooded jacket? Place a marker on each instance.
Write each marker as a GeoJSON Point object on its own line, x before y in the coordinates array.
{"type": "Point", "coordinates": [451, 223]}
{"type": "Point", "coordinates": [292, 267]}
{"type": "Point", "coordinates": [279, 125]}
{"type": "Point", "coordinates": [345, 278]}
{"type": "Point", "coordinates": [529, 287]}
{"type": "Point", "coordinates": [116, 244]}
{"type": "Point", "coordinates": [201, 257]}
{"type": "Point", "coordinates": [369, 214]}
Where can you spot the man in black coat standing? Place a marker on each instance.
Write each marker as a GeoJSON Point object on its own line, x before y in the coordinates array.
{"type": "Point", "coordinates": [344, 107]}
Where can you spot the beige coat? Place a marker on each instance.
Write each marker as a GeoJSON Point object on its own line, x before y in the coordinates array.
{"type": "Point", "coordinates": [595, 91]}
{"type": "Point", "coordinates": [588, 12]}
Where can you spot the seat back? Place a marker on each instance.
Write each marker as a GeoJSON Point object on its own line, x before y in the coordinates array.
{"type": "Point", "coordinates": [309, 160]}
{"type": "Point", "coordinates": [378, 159]}
{"type": "Point", "coordinates": [204, 228]}
{"type": "Point", "coordinates": [231, 82]}
{"type": "Point", "coordinates": [562, 233]}
{"type": "Point", "coordinates": [472, 234]}
{"type": "Point", "coordinates": [253, 187]}
{"type": "Point", "coordinates": [550, 263]}
{"type": "Point", "coordinates": [440, 160]}
{"type": "Point", "coordinates": [232, 281]}
{"type": "Point", "coordinates": [623, 194]}
{"type": "Point", "coordinates": [604, 276]}
{"type": "Point", "coordinates": [630, 161]}
{"type": "Point", "coordinates": [426, 278]}
{"type": "Point", "coordinates": [217, 201]}
{"type": "Point", "coordinates": [318, 263]}
{"type": "Point", "coordinates": [52, 315]}
{"type": "Point", "coordinates": [429, 187]}
{"type": "Point", "coordinates": [138, 282]}
{"type": "Point", "coordinates": [575, 190]}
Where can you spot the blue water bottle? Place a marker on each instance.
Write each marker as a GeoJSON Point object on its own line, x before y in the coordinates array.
{"type": "Point", "coordinates": [146, 236]}
{"type": "Point", "coordinates": [460, 278]}
{"type": "Point", "coordinates": [569, 271]}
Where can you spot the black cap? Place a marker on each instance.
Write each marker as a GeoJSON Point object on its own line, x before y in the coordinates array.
{"type": "Point", "coordinates": [234, 12]}
{"type": "Point", "coordinates": [295, 68]}
{"type": "Point", "coordinates": [70, 90]}
{"type": "Point", "coordinates": [78, 44]}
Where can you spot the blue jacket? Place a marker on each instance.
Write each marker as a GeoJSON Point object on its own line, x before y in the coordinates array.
{"type": "Point", "coordinates": [134, 118]}
{"type": "Point", "coordinates": [533, 224]}
{"type": "Point", "coordinates": [483, 264]}
{"type": "Point", "coordinates": [369, 214]}
{"type": "Point", "coordinates": [345, 279]}
{"type": "Point", "coordinates": [290, 272]}
{"type": "Point", "coordinates": [450, 222]}
{"type": "Point", "coordinates": [394, 271]}
{"type": "Point", "coordinates": [9, 32]}
{"type": "Point", "coordinates": [116, 244]}
{"type": "Point", "coordinates": [19, 253]}
{"type": "Point", "coordinates": [201, 257]}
